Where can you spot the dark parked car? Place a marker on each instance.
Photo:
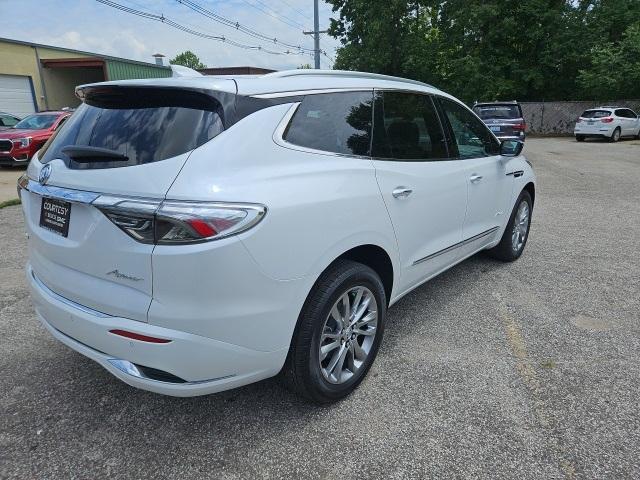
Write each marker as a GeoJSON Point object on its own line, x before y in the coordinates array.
{"type": "Point", "coordinates": [19, 142]}
{"type": "Point", "coordinates": [503, 118]}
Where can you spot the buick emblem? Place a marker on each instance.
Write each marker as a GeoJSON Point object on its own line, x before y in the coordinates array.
{"type": "Point", "coordinates": [44, 174]}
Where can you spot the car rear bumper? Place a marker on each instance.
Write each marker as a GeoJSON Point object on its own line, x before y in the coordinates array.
{"type": "Point", "coordinates": [188, 365]}
{"type": "Point", "coordinates": [594, 131]}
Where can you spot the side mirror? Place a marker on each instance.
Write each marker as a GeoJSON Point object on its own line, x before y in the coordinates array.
{"type": "Point", "coordinates": [511, 148]}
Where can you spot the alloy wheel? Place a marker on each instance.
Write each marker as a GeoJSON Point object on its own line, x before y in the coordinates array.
{"type": "Point", "coordinates": [348, 334]}
{"type": "Point", "coordinates": [520, 226]}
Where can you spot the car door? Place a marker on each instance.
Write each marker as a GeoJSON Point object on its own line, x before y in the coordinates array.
{"type": "Point", "coordinates": [424, 191]}
{"type": "Point", "coordinates": [636, 122]}
{"type": "Point", "coordinates": [624, 122]}
{"type": "Point", "coordinates": [632, 120]}
{"type": "Point", "coordinates": [486, 173]}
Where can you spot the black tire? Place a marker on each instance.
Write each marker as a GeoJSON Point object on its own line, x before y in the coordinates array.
{"type": "Point", "coordinates": [302, 373]}
{"type": "Point", "coordinates": [504, 250]}
{"type": "Point", "coordinates": [615, 137]}
{"type": "Point", "coordinates": [580, 138]}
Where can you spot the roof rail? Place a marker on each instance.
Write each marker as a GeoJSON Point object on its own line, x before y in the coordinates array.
{"type": "Point", "coordinates": [303, 72]}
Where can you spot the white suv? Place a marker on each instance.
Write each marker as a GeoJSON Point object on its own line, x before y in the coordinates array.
{"type": "Point", "coordinates": [611, 123]}
{"type": "Point", "coordinates": [193, 235]}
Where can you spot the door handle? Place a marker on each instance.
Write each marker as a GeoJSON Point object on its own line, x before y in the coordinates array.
{"type": "Point", "coordinates": [401, 192]}
{"type": "Point", "coordinates": [475, 178]}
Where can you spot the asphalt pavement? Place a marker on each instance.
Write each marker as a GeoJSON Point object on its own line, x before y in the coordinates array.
{"type": "Point", "coordinates": [491, 370]}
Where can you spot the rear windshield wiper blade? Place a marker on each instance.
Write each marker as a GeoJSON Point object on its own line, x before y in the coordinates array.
{"type": "Point", "coordinates": [86, 154]}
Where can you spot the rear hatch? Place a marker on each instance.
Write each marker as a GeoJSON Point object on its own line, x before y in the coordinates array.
{"type": "Point", "coordinates": [122, 149]}
{"type": "Point", "coordinates": [595, 119]}
{"type": "Point", "coordinates": [504, 120]}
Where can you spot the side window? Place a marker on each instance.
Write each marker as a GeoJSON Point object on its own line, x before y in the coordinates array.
{"type": "Point", "coordinates": [333, 122]}
{"type": "Point", "coordinates": [621, 113]}
{"type": "Point", "coordinates": [472, 137]}
{"type": "Point", "coordinates": [631, 114]}
{"type": "Point", "coordinates": [406, 127]}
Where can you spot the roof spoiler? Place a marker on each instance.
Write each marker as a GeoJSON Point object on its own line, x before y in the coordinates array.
{"type": "Point", "coordinates": [180, 71]}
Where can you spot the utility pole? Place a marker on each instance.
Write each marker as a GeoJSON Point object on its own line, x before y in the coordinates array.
{"type": "Point", "coordinates": [316, 35]}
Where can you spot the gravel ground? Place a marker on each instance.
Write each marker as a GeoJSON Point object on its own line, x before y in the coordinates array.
{"type": "Point", "coordinates": [525, 370]}
{"type": "Point", "coordinates": [8, 179]}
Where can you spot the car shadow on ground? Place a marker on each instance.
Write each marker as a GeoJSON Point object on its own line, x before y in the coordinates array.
{"type": "Point", "coordinates": [92, 384]}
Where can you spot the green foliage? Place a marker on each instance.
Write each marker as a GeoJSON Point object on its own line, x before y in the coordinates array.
{"type": "Point", "coordinates": [615, 68]}
{"type": "Point", "coordinates": [9, 203]}
{"type": "Point", "coordinates": [187, 59]}
{"type": "Point", "coordinates": [492, 49]}
{"type": "Point", "coordinates": [305, 66]}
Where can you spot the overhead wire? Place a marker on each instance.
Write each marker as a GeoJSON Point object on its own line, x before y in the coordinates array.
{"type": "Point", "coordinates": [275, 15]}
{"type": "Point", "coordinates": [238, 26]}
{"type": "Point", "coordinates": [178, 26]}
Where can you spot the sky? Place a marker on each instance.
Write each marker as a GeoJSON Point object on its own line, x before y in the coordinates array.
{"type": "Point", "coordinates": [91, 26]}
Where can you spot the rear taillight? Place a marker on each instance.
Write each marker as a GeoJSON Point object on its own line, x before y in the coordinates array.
{"type": "Point", "coordinates": [606, 120]}
{"type": "Point", "coordinates": [519, 126]}
{"type": "Point", "coordinates": [175, 222]}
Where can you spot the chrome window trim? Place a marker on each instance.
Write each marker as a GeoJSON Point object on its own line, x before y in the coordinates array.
{"type": "Point", "coordinates": [278, 137]}
{"type": "Point", "coordinates": [314, 91]}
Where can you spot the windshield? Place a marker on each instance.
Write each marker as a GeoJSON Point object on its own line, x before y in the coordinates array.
{"type": "Point", "coordinates": [37, 122]}
{"type": "Point", "coordinates": [595, 114]}
{"type": "Point", "coordinates": [497, 111]}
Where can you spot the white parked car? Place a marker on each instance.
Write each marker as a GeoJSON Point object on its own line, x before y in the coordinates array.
{"type": "Point", "coordinates": [193, 235]}
{"type": "Point", "coordinates": [608, 122]}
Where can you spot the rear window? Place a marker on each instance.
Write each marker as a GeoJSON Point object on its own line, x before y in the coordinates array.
{"type": "Point", "coordinates": [333, 122]}
{"type": "Point", "coordinates": [595, 113]}
{"type": "Point", "coordinates": [497, 111]}
{"type": "Point", "coordinates": [144, 124]}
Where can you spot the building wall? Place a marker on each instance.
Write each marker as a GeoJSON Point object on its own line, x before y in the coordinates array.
{"type": "Point", "coordinates": [59, 83]}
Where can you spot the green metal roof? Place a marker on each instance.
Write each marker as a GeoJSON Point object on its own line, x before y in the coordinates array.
{"type": "Point", "coordinates": [123, 70]}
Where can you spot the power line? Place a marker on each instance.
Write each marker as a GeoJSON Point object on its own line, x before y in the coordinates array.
{"type": "Point", "coordinates": [299, 12]}
{"type": "Point", "coordinates": [171, 23]}
{"type": "Point", "coordinates": [279, 14]}
{"type": "Point", "coordinates": [238, 26]}
{"type": "Point", "coordinates": [294, 24]}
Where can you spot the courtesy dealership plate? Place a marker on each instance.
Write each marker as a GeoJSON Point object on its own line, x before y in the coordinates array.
{"type": "Point", "coordinates": [55, 216]}
{"type": "Point", "coordinates": [495, 129]}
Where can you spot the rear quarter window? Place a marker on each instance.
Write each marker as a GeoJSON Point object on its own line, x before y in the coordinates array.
{"type": "Point", "coordinates": [146, 125]}
{"type": "Point", "coordinates": [333, 122]}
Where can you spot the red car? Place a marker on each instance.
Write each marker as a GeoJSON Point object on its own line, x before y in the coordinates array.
{"type": "Point", "coordinates": [20, 142]}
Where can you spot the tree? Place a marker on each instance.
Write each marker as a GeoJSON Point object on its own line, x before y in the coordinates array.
{"type": "Point", "coordinates": [484, 49]}
{"type": "Point", "coordinates": [615, 68]}
{"type": "Point", "coordinates": [188, 59]}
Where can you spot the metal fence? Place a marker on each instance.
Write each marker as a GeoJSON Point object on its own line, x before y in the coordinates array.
{"type": "Point", "coordinates": [559, 118]}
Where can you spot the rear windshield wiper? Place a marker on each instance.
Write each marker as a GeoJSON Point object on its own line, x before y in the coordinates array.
{"type": "Point", "coordinates": [86, 154]}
